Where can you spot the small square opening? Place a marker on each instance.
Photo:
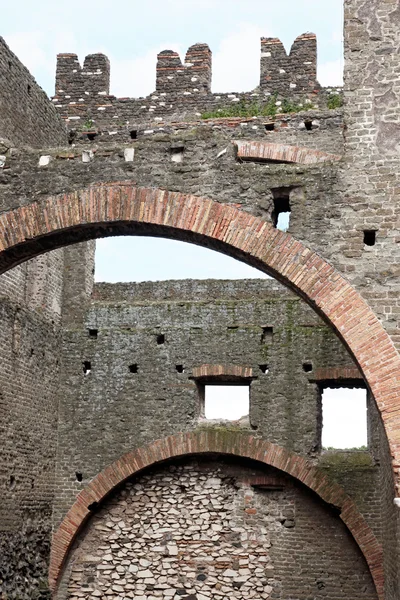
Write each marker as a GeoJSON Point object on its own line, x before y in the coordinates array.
{"type": "Point", "coordinates": [307, 367]}
{"type": "Point", "coordinates": [160, 339]}
{"type": "Point", "coordinates": [370, 237]}
{"type": "Point", "coordinates": [93, 333]}
{"type": "Point", "coordinates": [267, 334]}
{"type": "Point", "coordinates": [133, 368]}
{"type": "Point", "coordinates": [269, 126]}
{"type": "Point", "coordinates": [344, 418]}
{"type": "Point", "coordinates": [133, 134]}
{"type": "Point", "coordinates": [87, 367]}
{"type": "Point", "coordinates": [180, 368]}
{"type": "Point", "coordinates": [227, 402]}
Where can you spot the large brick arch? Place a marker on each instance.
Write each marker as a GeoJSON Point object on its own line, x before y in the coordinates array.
{"type": "Point", "coordinates": [227, 443]}
{"type": "Point", "coordinates": [118, 208]}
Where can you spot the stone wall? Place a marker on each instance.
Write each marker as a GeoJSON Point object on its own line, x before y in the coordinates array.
{"type": "Point", "coordinates": [30, 309]}
{"type": "Point", "coordinates": [289, 75]}
{"type": "Point", "coordinates": [210, 528]}
{"type": "Point", "coordinates": [135, 352]}
{"type": "Point", "coordinates": [27, 116]}
{"type": "Point", "coordinates": [183, 89]}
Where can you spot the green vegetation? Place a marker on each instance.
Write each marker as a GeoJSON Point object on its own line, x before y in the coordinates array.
{"type": "Point", "coordinates": [360, 449]}
{"type": "Point", "coordinates": [244, 108]}
{"type": "Point", "coordinates": [335, 101]}
{"type": "Point", "coordinates": [88, 124]}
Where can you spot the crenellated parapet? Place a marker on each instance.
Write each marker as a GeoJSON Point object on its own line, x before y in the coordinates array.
{"type": "Point", "coordinates": [72, 80]}
{"type": "Point", "coordinates": [183, 87]}
{"type": "Point", "coordinates": [194, 76]}
{"type": "Point", "coordinates": [291, 74]}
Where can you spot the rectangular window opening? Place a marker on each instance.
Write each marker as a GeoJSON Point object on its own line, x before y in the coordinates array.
{"type": "Point", "coordinates": [370, 237]}
{"type": "Point", "coordinates": [93, 333]}
{"type": "Point", "coordinates": [281, 212]}
{"type": "Point", "coordinates": [227, 402]}
{"type": "Point", "coordinates": [267, 334]}
{"type": "Point", "coordinates": [87, 367]}
{"type": "Point", "coordinates": [344, 418]}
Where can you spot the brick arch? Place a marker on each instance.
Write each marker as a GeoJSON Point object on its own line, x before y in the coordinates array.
{"type": "Point", "coordinates": [221, 442]}
{"type": "Point", "coordinates": [266, 152]}
{"type": "Point", "coordinates": [121, 208]}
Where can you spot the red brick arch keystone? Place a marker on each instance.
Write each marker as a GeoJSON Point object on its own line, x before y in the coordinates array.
{"type": "Point", "coordinates": [223, 442]}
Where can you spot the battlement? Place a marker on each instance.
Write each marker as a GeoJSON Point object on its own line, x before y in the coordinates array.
{"type": "Point", "coordinates": [183, 88]}
{"type": "Point", "coordinates": [293, 74]}
{"type": "Point", "coordinates": [193, 76]}
{"type": "Point", "coordinates": [74, 80]}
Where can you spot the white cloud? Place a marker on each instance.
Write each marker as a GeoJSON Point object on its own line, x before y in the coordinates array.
{"type": "Point", "coordinates": [29, 47]}
{"type": "Point", "coordinates": [331, 73]}
{"type": "Point", "coordinates": [136, 77]}
{"type": "Point", "coordinates": [236, 63]}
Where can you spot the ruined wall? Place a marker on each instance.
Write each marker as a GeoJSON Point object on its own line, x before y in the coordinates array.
{"type": "Point", "coordinates": [370, 183]}
{"type": "Point", "coordinates": [30, 309]}
{"type": "Point", "coordinates": [136, 353]}
{"type": "Point", "coordinates": [216, 529]}
{"type": "Point", "coordinates": [27, 116]}
{"type": "Point", "coordinates": [289, 75]}
{"type": "Point", "coordinates": [183, 88]}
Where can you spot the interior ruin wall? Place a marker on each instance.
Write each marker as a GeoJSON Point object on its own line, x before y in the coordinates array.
{"type": "Point", "coordinates": [334, 206]}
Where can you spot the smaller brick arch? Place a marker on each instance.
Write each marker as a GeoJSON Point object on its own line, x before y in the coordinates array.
{"type": "Point", "coordinates": [222, 372]}
{"type": "Point", "coordinates": [221, 442]}
{"type": "Point", "coordinates": [264, 151]}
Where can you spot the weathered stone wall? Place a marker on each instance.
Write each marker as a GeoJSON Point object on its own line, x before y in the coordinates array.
{"type": "Point", "coordinates": [27, 116]}
{"type": "Point", "coordinates": [132, 376]}
{"type": "Point", "coordinates": [215, 529]}
{"type": "Point", "coordinates": [289, 75]}
{"type": "Point", "coordinates": [30, 308]}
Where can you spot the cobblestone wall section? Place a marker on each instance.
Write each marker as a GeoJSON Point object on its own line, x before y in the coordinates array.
{"type": "Point", "coordinates": [202, 530]}
{"type": "Point", "coordinates": [27, 116]}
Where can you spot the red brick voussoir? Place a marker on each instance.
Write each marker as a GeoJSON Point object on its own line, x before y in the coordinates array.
{"type": "Point", "coordinates": [264, 151]}
{"type": "Point", "coordinates": [121, 207]}
{"type": "Point", "coordinates": [223, 442]}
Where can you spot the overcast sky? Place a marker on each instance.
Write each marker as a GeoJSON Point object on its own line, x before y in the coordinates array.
{"type": "Point", "coordinates": [131, 32]}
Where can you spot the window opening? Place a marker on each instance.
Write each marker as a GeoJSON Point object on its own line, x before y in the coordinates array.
{"type": "Point", "coordinates": [370, 237]}
{"type": "Point", "coordinates": [93, 333]}
{"type": "Point", "coordinates": [133, 368]}
{"type": "Point", "coordinates": [269, 126]}
{"type": "Point", "coordinates": [267, 333]}
{"type": "Point", "coordinates": [344, 418]}
{"type": "Point", "coordinates": [177, 154]}
{"type": "Point", "coordinates": [264, 369]}
{"type": "Point", "coordinates": [133, 134]}
{"type": "Point", "coordinates": [78, 476]}
{"type": "Point", "coordinates": [228, 402]}
{"type": "Point", "coordinates": [180, 368]}
{"type": "Point", "coordinates": [87, 367]}
{"type": "Point", "coordinates": [307, 367]}
{"type": "Point", "coordinates": [161, 339]}
{"type": "Point", "coordinates": [91, 136]}
{"type": "Point", "coordinates": [308, 125]}
{"type": "Point", "coordinates": [281, 211]}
